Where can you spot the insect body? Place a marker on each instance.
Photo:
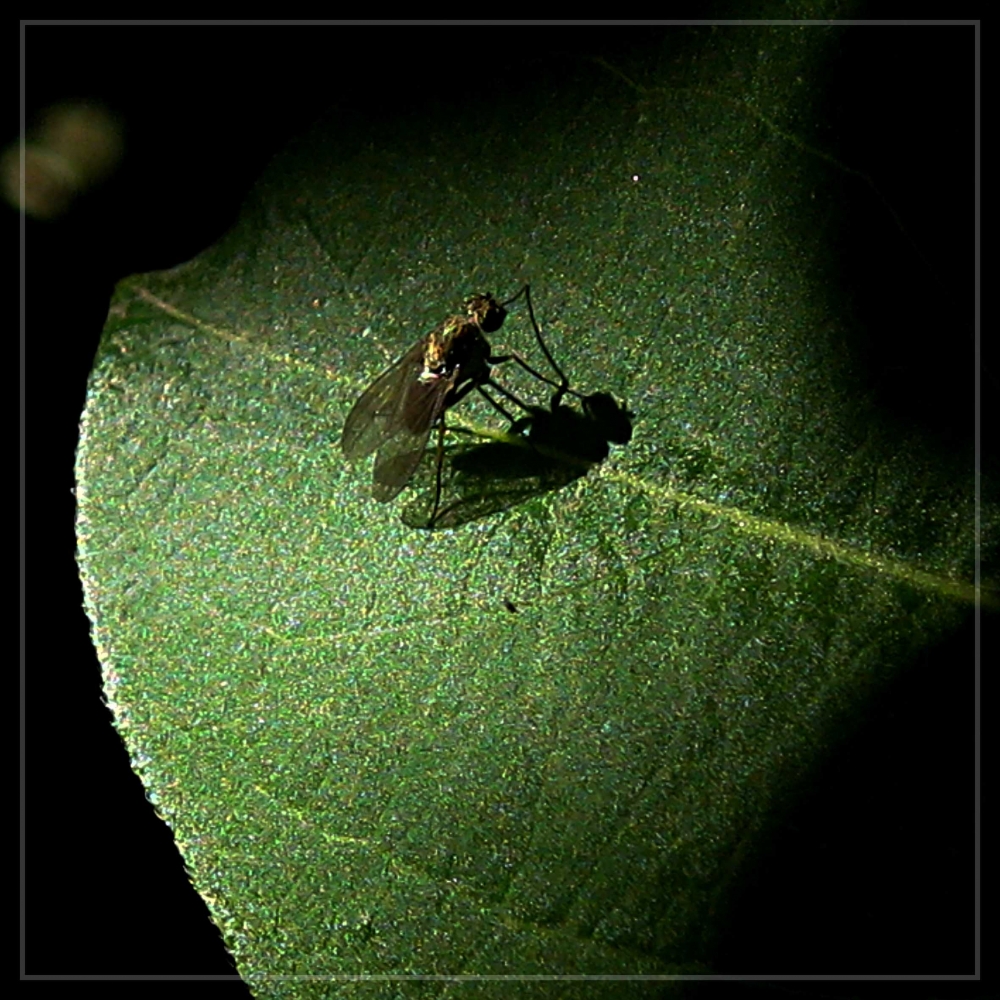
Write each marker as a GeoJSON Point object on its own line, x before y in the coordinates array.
{"type": "Point", "coordinates": [396, 413]}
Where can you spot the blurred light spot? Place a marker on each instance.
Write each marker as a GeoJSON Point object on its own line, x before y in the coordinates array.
{"type": "Point", "coordinates": [73, 147]}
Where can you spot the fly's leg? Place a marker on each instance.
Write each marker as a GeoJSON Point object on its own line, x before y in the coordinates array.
{"type": "Point", "coordinates": [516, 400]}
{"type": "Point", "coordinates": [518, 360]}
{"type": "Point", "coordinates": [562, 386]}
{"type": "Point", "coordinates": [437, 478]}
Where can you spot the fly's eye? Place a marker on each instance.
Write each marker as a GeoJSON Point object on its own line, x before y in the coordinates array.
{"type": "Point", "coordinates": [493, 319]}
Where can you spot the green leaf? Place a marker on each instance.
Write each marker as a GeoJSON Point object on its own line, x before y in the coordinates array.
{"type": "Point", "coordinates": [369, 763]}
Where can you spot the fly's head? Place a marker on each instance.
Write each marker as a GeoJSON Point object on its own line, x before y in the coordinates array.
{"type": "Point", "coordinates": [485, 312]}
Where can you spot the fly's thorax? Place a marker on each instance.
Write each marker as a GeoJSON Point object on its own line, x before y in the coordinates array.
{"type": "Point", "coordinates": [458, 346]}
{"type": "Point", "coordinates": [438, 349]}
{"type": "Point", "coordinates": [469, 353]}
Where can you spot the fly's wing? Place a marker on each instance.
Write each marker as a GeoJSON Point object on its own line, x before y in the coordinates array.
{"type": "Point", "coordinates": [400, 453]}
{"type": "Point", "coordinates": [377, 415]}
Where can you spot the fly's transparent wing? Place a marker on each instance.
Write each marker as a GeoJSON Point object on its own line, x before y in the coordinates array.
{"type": "Point", "coordinates": [378, 414]}
{"type": "Point", "coordinates": [394, 416]}
{"type": "Point", "coordinates": [400, 453]}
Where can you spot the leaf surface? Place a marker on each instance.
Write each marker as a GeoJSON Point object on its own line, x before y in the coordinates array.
{"type": "Point", "coordinates": [370, 763]}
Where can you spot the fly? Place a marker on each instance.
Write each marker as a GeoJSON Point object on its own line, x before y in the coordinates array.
{"type": "Point", "coordinates": [396, 413]}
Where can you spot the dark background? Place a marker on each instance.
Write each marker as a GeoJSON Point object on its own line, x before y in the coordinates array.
{"type": "Point", "coordinates": [872, 870]}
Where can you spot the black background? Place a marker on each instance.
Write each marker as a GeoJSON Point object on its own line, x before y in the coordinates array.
{"type": "Point", "coordinates": [872, 871]}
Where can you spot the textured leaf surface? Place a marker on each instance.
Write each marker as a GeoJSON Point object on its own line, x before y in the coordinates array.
{"type": "Point", "coordinates": [370, 764]}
